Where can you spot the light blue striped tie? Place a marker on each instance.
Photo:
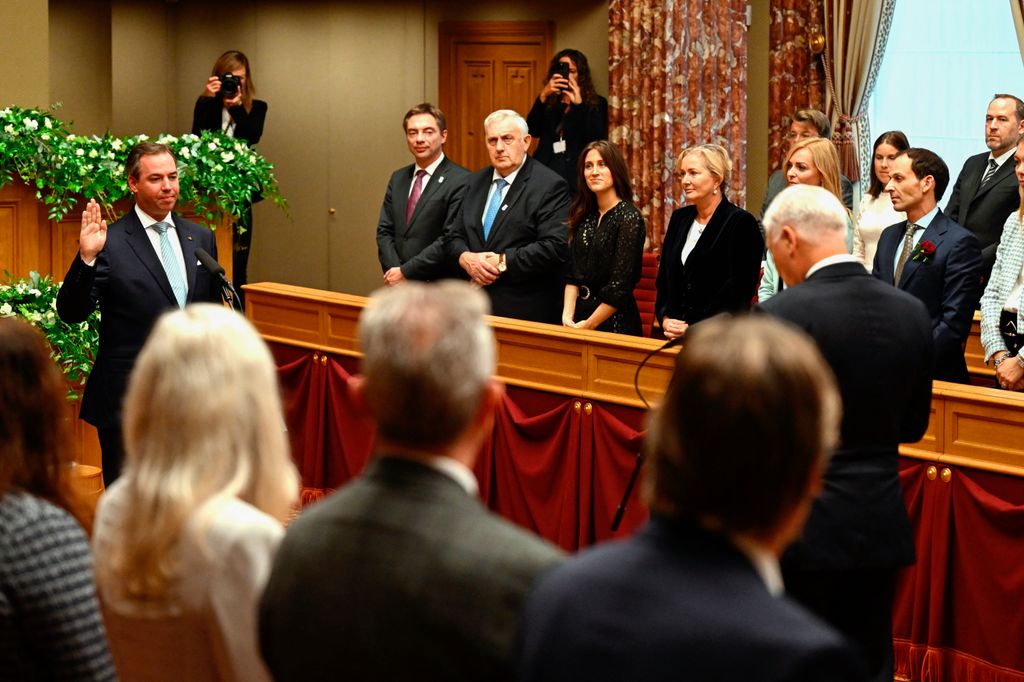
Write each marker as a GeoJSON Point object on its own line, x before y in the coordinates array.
{"type": "Point", "coordinates": [170, 262]}
{"type": "Point", "coordinates": [492, 208]}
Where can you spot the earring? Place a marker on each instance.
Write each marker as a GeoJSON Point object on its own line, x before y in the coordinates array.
{"type": "Point", "coordinates": [715, 192]}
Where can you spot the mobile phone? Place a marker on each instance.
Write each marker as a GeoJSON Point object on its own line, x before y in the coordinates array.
{"type": "Point", "coordinates": [562, 69]}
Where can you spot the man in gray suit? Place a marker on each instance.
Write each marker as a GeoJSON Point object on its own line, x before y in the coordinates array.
{"type": "Point", "coordinates": [403, 574]}
{"type": "Point", "coordinates": [421, 202]}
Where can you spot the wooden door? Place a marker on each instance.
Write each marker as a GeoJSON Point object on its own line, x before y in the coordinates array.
{"type": "Point", "coordinates": [486, 66]}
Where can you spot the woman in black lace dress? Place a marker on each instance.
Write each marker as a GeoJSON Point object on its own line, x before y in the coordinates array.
{"type": "Point", "coordinates": [606, 243]}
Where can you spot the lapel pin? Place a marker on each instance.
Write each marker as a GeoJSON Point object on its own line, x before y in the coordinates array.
{"type": "Point", "coordinates": [189, 237]}
{"type": "Point", "coordinates": [440, 180]}
{"type": "Point", "coordinates": [504, 207]}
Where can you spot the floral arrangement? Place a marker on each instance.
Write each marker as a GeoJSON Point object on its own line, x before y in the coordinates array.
{"type": "Point", "coordinates": [72, 346]}
{"type": "Point", "coordinates": [219, 176]}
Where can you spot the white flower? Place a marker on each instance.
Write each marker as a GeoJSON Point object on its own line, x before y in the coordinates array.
{"type": "Point", "coordinates": [48, 123]}
{"type": "Point", "coordinates": [50, 318]}
{"type": "Point", "coordinates": [116, 144]}
{"type": "Point", "coordinates": [53, 303]}
{"type": "Point", "coordinates": [142, 138]}
{"type": "Point", "coordinates": [45, 136]}
{"type": "Point", "coordinates": [227, 157]}
{"type": "Point", "coordinates": [93, 154]}
{"type": "Point", "coordinates": [35, 292]}
{"type": "Point", "coordinates": [6, 111]}
{"type": "Point", "coordinates": [186, 153]}
{"type": "Point", "coordinates": [84, 326]}
{"type": "Point", "coordinates": [30, 124]}
{"type": "Point", "coordinates": [6, 310]}
{"type": "Point", "coordinates": [21, 287]}
{"type": "Point", "coordinates": [212, 146]}
{"type": "Point", "coordinates": [79, 152]}
{"type": "Point", "coordinates": [9, 129]}
{"type": "Point", "coordinates": [218, 168]}
{"type": "Point", "coordinates": [35, 317]}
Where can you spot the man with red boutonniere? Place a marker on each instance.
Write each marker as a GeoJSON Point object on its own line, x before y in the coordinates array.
{"type": "Point", "coordinates": [931, 257]}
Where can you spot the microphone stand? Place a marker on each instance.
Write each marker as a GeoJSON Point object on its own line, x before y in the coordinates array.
{"type": "Point", "coordinates": [620, 511]}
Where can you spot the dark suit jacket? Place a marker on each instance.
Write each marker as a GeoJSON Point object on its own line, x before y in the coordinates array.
{"type": "Point", "coordinates": [673, 602]}
{"type": "Point", "coordinates": [983, 209]}
{"type": "Point", "coordinates": [132, 290]}
{"type": "Point", "coordinates": [420, 247]}
{"type": "Point", "coordinates": [722, 271]}
{"type": "Point", "coordinates": [400, 575]}
{"type": "Point", "coordinates": [579, 126]}
{"type": "Point", "coordinates": [948, 285]}
{"type": "Point", "coordinates": [877, 340]}
{"type": "Point", "coordinates": [531, 230]}
{"type": "Point", "coordinates": [248, 124]}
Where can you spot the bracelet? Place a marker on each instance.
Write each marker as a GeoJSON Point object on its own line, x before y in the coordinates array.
{"type": "Point", "coordinates": [1020, 361]}
{"type": "Point", "coordinates": [999, 361]}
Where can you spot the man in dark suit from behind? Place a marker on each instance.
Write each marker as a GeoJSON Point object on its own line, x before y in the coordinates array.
{"type": "Point", "coordinates": [986, 190]}
{"type": "Point", "coordinates": [403, 574]}
{"type": "Point", "coordinates": [133, 272]}
{"type": "Point", "coordinates": [511, 235]}
{"type": "Point", "coordinates": [877, 340]}
{"type": "Point", "coordinates": [931, 257]}
{"type": "Point", "coordinates": [421, 203]}
{"type": "Point", "coordinates": [697, 594]}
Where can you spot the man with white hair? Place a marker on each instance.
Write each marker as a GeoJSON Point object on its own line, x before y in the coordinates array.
{"type": "Point", "coordinates": [878, 341]}
{"type": "Point", "coordinates": [403, 574]}
{"type": "Point", "coordinates": [510, 237]}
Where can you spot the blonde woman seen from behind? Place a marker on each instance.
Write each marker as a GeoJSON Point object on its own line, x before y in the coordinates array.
{"type": "Point", "coordinates": [876, 211]}
{"type": "Point", "coordinates": [185, 539]}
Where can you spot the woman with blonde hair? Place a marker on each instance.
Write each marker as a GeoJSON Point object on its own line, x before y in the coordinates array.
{"type": "Point", "coordinates": [1002, 304]}
{"type": "Point", "coordinates": [812, 161]}
{"type": "Point", "coordinates": [712, 250]}
{"type": "Point", "coordinates": [185, 538]}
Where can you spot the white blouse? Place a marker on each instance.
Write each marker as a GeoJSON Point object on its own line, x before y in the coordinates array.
{"type": "Point", "coordinates": [876, 214]}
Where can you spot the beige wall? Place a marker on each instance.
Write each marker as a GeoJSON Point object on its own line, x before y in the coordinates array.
{"type": "Point", "coordinates": [337, 76]}
{"type": "Point", "coordinates": [24, 57]}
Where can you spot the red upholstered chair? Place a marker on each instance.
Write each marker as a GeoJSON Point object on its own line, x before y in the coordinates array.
{"type": "Point", "coordinates": [645, 291]}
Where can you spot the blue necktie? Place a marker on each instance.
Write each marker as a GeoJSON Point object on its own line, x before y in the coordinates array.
{"type": "Point", "coordinates": [492, 208]}
{"type": "Point", "coordinates": [170, 263]}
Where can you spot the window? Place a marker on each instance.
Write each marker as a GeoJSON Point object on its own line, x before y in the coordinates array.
{"type": "Point", "coordinates": [943, 62]}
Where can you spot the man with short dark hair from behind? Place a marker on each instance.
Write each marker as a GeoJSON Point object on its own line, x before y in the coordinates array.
{"type": "Point", "coordinates": [402, 574]}
{"type": "Point", "coordinates": [421, 202]}
{"type": "Point", "coordinates": [986, 192]}
{"type": "Point", "coordinates": [697, 593]}
{"type": "Point", "coordinates": [877, 340]}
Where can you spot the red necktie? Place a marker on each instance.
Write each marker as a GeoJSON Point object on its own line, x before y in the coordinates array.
{"type": "Point", "coordinates": [414, 198]}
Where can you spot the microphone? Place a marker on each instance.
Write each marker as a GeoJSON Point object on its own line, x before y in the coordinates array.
{"type": "Point", "coordinates": [217, 270]}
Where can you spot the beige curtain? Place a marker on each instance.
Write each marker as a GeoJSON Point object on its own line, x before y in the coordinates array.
{"type": "Point", "coordinates": [677, 77]}
{"type": "Point", "coordinates": [855, 35]}
{"type": "Point", "coordinates": [1017, 7]}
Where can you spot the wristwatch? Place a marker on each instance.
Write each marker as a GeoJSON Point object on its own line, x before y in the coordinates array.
{"type": "Point", "coordinates": [501, 263]}
{"type": "Point", "coordinates": [1006, 356]}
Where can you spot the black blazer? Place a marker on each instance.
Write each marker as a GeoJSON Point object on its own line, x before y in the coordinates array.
{"type": "Point", "coordinates": [130, 286]}
{"type": "Point", "coordinates": [877, 340]}
{"type": "Point", "coordinates": [248, 124]}
{"type": "Point", "coordinates": [579, 126]}
{"type": "Point", "coordinates": [672, 602]}
{"type": "Point", "coordinates": [531, 230]}
{"type": "Point", "coordinates": [948, 284]}
{"type": "Point", "coordinates": [722, 271]}
{"type": "Point", "coordinates": [983, 209]}
{"type": "Point", "coordinates": [420, 247]}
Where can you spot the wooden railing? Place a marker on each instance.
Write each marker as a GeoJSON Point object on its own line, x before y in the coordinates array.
{"type": "Point", "coordinates": [970, 425]}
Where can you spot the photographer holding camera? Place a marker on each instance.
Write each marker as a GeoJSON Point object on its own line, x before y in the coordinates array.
{"type": "Point", "coordinates": [567, 115]}
{"type": "Point", "coordinates": [227, 105]}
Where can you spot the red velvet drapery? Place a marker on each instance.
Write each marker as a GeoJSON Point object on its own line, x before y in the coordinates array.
{"type": "Point", "coordinates": [958, 614]}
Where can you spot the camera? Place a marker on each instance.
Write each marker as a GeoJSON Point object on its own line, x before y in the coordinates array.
{"type": "Point", "coordinates": [229, 85]}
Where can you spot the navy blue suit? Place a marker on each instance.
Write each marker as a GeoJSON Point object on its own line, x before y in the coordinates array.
{"type": "Point", "coordinates": [531, 230]}
{"type": "Point", "coordinates": [673, 602]}
{"type": "Point", "coordinates": [948, 284]}
{"type": "Point", "coordinates": [130, 286]}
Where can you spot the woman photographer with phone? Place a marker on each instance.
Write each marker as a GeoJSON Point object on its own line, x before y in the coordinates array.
{"type": "Point", "coordinates": [227, 105]}
{"type": "Point", "coordinates": [567, 115]}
